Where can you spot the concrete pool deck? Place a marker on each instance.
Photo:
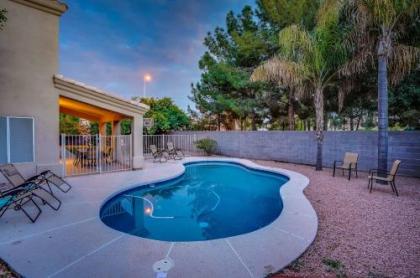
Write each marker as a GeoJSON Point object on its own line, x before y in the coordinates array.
{"type": "Point", "coordinates": [74, 242]}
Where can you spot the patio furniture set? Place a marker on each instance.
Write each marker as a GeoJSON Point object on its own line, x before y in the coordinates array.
{"type": "Point", "coordinates": [349, 164]}
{"type": "Point", "coordinates": [88, 156]}
{"type": "Point", "coordinates": [163, 155]}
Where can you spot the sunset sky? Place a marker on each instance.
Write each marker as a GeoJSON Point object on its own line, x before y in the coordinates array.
{"type": "Point", "coordinates": [112, 44]}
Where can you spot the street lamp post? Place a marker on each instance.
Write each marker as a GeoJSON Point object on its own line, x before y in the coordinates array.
{"type": "Point", "coordinates": [147, 78]}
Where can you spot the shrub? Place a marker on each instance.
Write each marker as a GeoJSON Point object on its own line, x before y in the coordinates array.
{"type": "Point", "coordinates": [207, 145]}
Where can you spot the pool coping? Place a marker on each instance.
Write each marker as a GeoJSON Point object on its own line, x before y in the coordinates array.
{"type": "Point", "coordinates": [291, 194]}
{"type": "Point", "coordinates": [74, 242]}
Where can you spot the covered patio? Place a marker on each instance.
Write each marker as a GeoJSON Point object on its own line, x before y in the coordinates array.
{"type": "Point", "coordinates": [109, 150]}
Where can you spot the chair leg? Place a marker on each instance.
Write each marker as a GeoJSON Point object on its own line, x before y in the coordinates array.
{"type": "Point", "coordinates": [334, 170]}
{"type": "Point", "coordinates": [356, 172]}
{"type": "Point", "coordinates": [349, 173]}
{"type": "Point", "coordinates": [371, 185]}
{"type": "Point", "coordinates": [395, 188]}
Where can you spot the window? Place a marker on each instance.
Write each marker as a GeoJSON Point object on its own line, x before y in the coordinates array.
{"type": "Point", "coordinates": [16, 139]}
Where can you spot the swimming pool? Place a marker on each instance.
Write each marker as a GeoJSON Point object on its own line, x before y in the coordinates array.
{"type": "Point", "coordinates": [210, 200]}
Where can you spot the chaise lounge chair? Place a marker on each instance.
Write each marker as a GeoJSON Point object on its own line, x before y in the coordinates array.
{"type": "Point", "coordinates": [17, 181]}
{"type": "Point", "coordinates": [158, 156]}
{"type": "Point", "coordinates": [16, 199]}
{"type": "Point", "coordinates": [174, 152]}
{"type": "Point", "coordinates": [349, 163]}
{"type": "Point", "coordinates": [388, 177]}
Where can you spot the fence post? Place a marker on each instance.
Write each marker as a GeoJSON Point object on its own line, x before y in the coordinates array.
{"type": "Point", "coordinates": [98, 153]}
{"type": "Point", "coordinates": [163, 141]}
{"type": "Point", "coordinates": [63, 152]}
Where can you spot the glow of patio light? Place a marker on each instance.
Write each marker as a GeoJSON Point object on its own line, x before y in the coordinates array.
{"type": "Point", "coordinates": [148, 211]}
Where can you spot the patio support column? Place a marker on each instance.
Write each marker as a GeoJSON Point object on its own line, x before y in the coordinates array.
{"type": "Point", "coordinates": [102, 128]}
{"type": "Point", "coordinates": [137, 141]}
{"type": "Point", "coordinates": [116, 128]}
{"type": "Point", "coordinates": [116, 143]}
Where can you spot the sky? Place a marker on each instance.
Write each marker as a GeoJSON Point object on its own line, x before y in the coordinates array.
{"type": "Point", "coordinates": [112, 44]}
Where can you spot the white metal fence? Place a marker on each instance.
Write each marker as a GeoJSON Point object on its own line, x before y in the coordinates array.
{"type": "Point", "coordinates": [89, 154]}
{"type": "Point", "coordinates": [183, 142]}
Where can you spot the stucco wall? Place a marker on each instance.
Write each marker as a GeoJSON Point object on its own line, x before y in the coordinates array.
{"type": "Point", "coordinates": [29, 59]}
{"type": "Point", "coordinates": [300, 147]}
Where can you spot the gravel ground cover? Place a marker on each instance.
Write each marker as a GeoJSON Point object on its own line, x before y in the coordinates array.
{"type": "Point", "coordinates": [360, 234]}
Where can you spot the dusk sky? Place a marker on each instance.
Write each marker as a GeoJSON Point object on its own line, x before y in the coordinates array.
{"type": "Point", "coordinates": [111, 44]}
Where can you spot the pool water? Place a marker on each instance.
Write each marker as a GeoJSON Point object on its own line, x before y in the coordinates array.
{"type": "Point", "coordinates": [210, 200]}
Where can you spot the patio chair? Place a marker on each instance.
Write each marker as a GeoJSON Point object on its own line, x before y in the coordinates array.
{"type": "Point", "coordinates": [17, 181]}
{"type": "Point", "coordinates": [349, 163]}
{"type": "Point", "coordinates": [174, 152]}
{"type": "Point", "coordinates": [16, 199]}
{"type": "Point", "coordinates": [158, 155]}
{"type": "Point", "coordinates": [384, 176]}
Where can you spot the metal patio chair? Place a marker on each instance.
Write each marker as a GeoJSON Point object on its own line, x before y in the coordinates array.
{"type": "Point", "coordinates": [158, 156]}
{"type": "Point", "coordinates": [349, 163]}
{"type": "Point", "coordinates": [385, 176]}
{"type": "Point", "coordinates": [174, 152]}
{"type": "Point", "coordinates": [33, 183]}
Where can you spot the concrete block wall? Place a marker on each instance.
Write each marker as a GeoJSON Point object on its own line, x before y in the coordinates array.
{"type": "Point", "coordinates": [300, 147]}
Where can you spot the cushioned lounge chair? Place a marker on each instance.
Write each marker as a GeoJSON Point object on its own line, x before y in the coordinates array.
{"type": "Point", "coordinates": [384, 176]}
{"type": "Point", "coordinates": [174, 152]}
{"type": "Point", "coordinates": [33, 183]}
{"type": "Point", "coordinates": [349, 163]}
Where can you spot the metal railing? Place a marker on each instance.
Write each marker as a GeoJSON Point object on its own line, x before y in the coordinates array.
{"type": "Point", "coordinates": [184, 142]}
{"type": "Point", "coordinates": [90, 154]}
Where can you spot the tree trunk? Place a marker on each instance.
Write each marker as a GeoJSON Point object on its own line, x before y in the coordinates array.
{"type": "Point", "coordinates": [383, 104]}
{"type": "Point", "coordinates": [359, 118]}
{"type": "Point", "coordinates": [351, 123]}
{"type": "Point", "coordinates": [304, 125]}
{"type": "Point", "coordinates": [253, 122]}
{"type": "Point", "coordinates": [382, 114]}
{"type": "Point", "coordinates": [291, 111]}
{"type": "Point", "coordinates": [319, 123]}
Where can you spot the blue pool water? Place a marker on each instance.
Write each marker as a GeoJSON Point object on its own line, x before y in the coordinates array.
{"type": "Point", "coordinates": [210, 200]}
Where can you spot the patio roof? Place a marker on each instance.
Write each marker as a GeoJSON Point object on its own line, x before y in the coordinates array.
{"type": "Point", "coordinates": [91, 103]}
{"type": "Point", "coordinates": [50, 6]}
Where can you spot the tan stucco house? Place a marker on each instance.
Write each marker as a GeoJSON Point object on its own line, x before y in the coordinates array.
{"type": "Point", "coordinates": [32, 93]}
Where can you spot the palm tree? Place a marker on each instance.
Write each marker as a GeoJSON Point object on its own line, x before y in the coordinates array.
{"type": "Point", "coordinates": [309, 61]}
{"type": "Point", "coordinates": [379, 28]}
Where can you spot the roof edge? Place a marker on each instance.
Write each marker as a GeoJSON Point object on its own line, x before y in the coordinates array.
{"type": "Point", "coordinates": [61, 82]}
{"type": "Point", "coordinates": [53, 7]}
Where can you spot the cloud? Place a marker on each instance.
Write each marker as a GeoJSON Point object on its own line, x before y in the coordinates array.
{"type": "Point", "coordinates": [112, 44]}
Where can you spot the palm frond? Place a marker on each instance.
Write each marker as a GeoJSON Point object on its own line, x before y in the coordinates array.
{"type": "Point", "coordinates": [403, 60]}
{"type": "Point", "coordinates": [279, 70]}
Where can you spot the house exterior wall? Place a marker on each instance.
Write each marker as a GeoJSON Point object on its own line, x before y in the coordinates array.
{"type": "Point", "coordinates": [29, 59]}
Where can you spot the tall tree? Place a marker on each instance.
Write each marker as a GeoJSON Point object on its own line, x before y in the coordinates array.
{"type": "Point", "coordinates": [166, 115]}
{"type": "Point", "coordinates": [232, 53]}
{"type": "Point", "coordinates": [280, 14]}
{"type": "Point", "coordinates": [309, 61]}
{"type": "Point", "coordinates": [379, 33]}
